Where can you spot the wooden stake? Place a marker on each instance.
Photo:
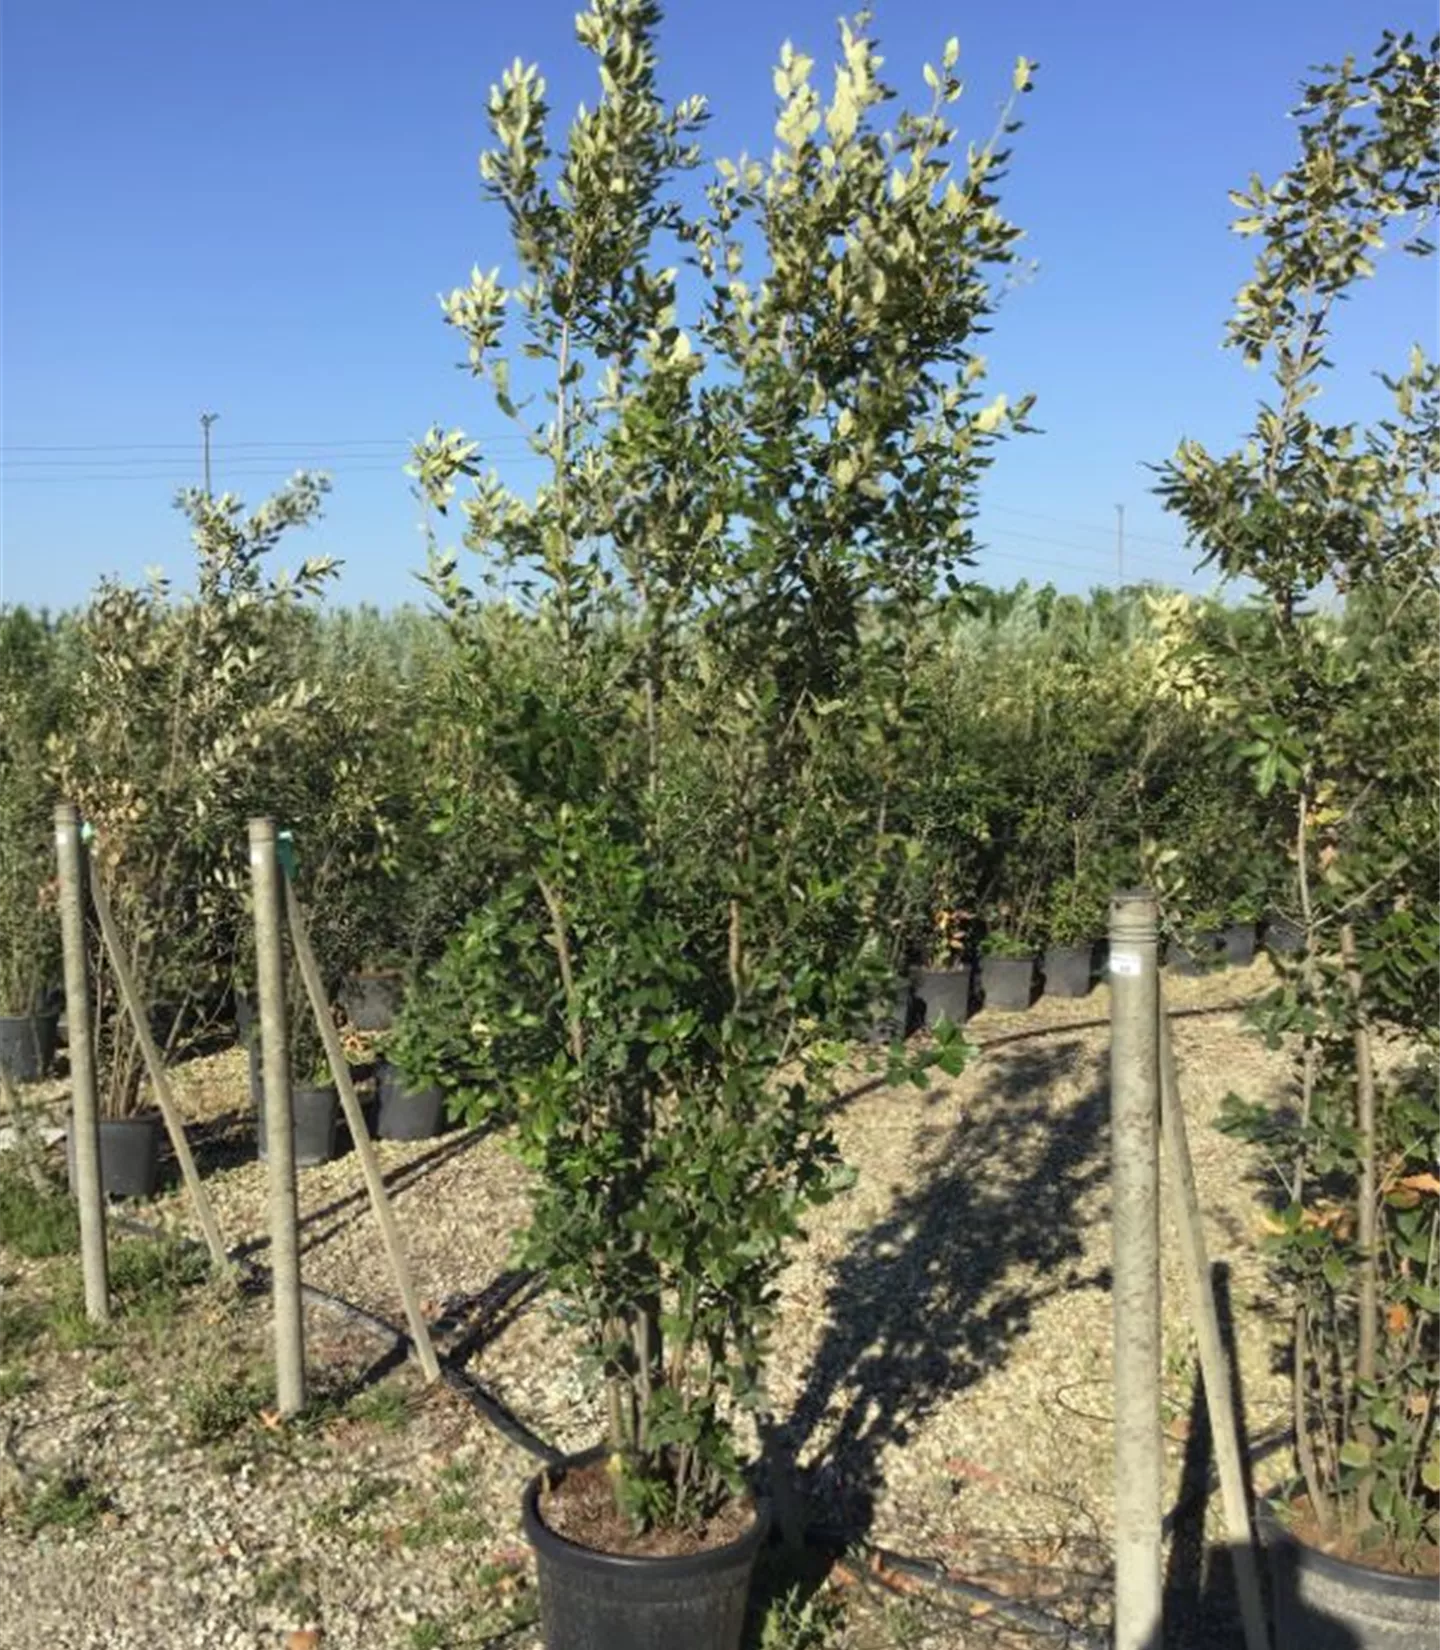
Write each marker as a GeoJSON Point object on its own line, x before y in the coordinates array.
{"type": "Point", "coordinates": [279, 1123]}
{"type": "Point", "coordinates": [1214, 1364]}
{"type": "Point", "coordinates": [340, 1069]}
{"type": "Point", "coordinates": [1135, 1216]}
{"type": "Point", "coordinates": [84, 1115]}
{"type": "Point", "coordinates": [159, 1078]}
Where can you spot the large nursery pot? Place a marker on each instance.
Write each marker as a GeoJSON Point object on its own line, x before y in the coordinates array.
{"type": "Point", "coordinates": [316, 1113]}
{"type": "Point", "coordinates": [1284, 936]}
{"type": "Point", "coordinates": [1069, 970]}
{"type": "Point", "coordinates": [1239, 944]}
{"type": "Point", "coordinates": [27, 1045]}
{"type": "Point", "coordinates": [1320, 1602]}
{"type": "Point", "coordinates": [129, 1154]}
{"type": "Point", "coordinates": [942, 994]}
{"type": "Point", "coordinates": [1200, 958]}
{"type": "Point", "coordinates": [1007, 982]}
{"type": "Point", "coordinates": [591, 1600]}
{"type": "Point", "coordinates": [892, 1020]}
{"type": "Point", "coordinates": [406, 1113]}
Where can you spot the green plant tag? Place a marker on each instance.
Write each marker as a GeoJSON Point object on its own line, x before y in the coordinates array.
{"type": "Point", "coordinates": [285, 852]}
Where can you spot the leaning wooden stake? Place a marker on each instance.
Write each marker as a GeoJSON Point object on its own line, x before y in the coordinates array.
{"type": "Point", "coordinates": [1214, 1364]}
{"type": "Point", "coordinates": [279, 1126]}
{"type": "Point", "coordinates": [159, 1079]}
{"type": "Point", "coordinates": [1135, 1216]}
{"type": "Point", "coordinates": [84, 1116]}
{"type": "Point", "coordinates": [340, 1069]}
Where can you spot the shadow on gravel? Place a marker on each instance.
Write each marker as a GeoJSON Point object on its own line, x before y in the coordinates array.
{"type": "Point", "coordinates": [340, 1211]}
{"type": "Point", "coordinates": [943, 1289]}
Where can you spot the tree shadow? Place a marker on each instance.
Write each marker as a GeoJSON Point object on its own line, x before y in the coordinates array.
{"type": "Point", "coordinates": [941, 1291]}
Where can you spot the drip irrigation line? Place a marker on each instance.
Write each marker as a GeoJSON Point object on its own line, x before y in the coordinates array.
{"type": "Point", "coordinates": [458, 1380]}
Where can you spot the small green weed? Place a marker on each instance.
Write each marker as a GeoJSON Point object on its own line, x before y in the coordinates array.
{"type": "Point", "coordinates": [110, 1374]}
{"type": "Point", "coordinates": [220, 1404]}
{"type": "Point", "coordinates": [21, 1325]}
{"type": "Point", "coordinates": [15, 1383]}
{"type": "Point", "coordinates": [69, 1325]}
{"type": "Point", "coordinates": [69, 1502]}
{"type": "Point", "coordinates": [428, 1634]}
{"type": "Point", "coordinates": [36, 1223]}
{"type": "Point", "coordinates": [341, 1511]}
{"type": "Point", "coordinates": [284, 1586]}
{"type": "Point", "coordinates": [383, 1406]}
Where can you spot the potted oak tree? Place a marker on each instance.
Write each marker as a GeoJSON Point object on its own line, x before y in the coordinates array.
{"type": "Point", "coordinates": [743, 512]}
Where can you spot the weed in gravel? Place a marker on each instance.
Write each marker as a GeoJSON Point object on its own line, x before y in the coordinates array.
{"type": "Point", "coordinates": [283, 1586]}
{"type": "Point", "coordinates": [149, 1277]}
{"type": "Point", "coordinates": [15, 1383]}
{"type": "Point", "coordinates": [110, 1374]}
{"type": "Point", "coordinates": [428, 1634]}
{"type": "Point", "coordinates": [386, 1407]}
{"type": "Point", "coordinates": [35, 1222]}
{"type": "Point", "coordinates": [222, 1402]}
{"type": "Point", "coordinates": [342, 1510]}
{"type": "Point", "coordinates": [66, 1319]}
{"type": "Point", "coordinates": [788, 1609]}
{"type": "Point", "coordinates": [69, 1502]}
{"type": "Point", "coordinates": [21, 1325]}
{"type": "Point", "coordinates": [447, 1516]}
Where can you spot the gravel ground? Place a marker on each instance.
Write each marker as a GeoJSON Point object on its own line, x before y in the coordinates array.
{"type": "Point", "coordinates": [941, 1374]}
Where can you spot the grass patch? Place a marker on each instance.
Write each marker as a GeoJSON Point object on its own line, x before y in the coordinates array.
{"type": "Point", "coordinates": [21, 1325]}
{"type": "Point", "coordinates": [36, 1223]}
{"type": "Point", "coordinates": [15, 1383]}
{"type": "Point", "coordinates": [220, 1404]}
{"type": "Point", "coordinates": [342, 1511]}
{"type": "Point", "coordinates": [284, 1586]}
{"type": "Point", "coordinates": [386, 1407]}
{"type": "Point", "coordinates": [70, 1502]}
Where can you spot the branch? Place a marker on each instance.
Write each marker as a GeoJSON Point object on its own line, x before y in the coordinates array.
{"type": "Point", "coordinates": [561, 938]}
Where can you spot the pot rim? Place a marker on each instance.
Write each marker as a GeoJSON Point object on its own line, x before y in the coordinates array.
{"type": "Point", "coordinates": [671, 1567]}
{"type": "Point", "coordinates": [1349, 1571]}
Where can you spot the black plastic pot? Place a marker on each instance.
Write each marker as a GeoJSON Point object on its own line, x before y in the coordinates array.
{"type": "Point", "coordinates": [1284, 936]}
{"type": "Point", "coordinates": [405, 1113]}
{"type": "Point", "coordinates": [1239, 944]}
{"type": "Point", "coordinates": [1325, 1603]}
{"type": "Point", "coordinates": [129, 1154]}
{"type": "Point", "coordinates": [1069, 970]}
{"type": "Point", "coordinates": [942, 994]}
{"type": "Point", "coordinates": [27, 1045]}
{"type": "Point", "coordinates": [1007, 983]}
{"type": "Point", "coordinates": [1206, 955]}
{"type": "Point", "coordinates": [371, 1001]}
{"type": "Point", "coordinates": [895, 1023]}
{"type": "Point", "coordinates": [315, 1115]}
{"type": "Point", "coordinates": [602, 1601]}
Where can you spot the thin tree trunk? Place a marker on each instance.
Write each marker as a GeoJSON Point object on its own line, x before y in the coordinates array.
{"type": "Point", "coordinates": [1369, 1307]}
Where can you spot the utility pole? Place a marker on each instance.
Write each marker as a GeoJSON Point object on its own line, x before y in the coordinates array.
{"type": "Point", "coordinates": [206, 420]}
{"type": "Point", "coordinates": [1120, 545]}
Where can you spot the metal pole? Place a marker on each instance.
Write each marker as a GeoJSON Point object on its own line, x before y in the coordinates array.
{"type": "Point", "coordinates": [84, 1115]}
{"type": "Point", "coordinates": [1214, 1364]}
{"type": "Point", "coordinates": [159, 1079]}
{"type": "Point", "coordinates": [279, 1126]}
{"type": "Point", "coordinates": [340, 1069]}
{"type": "Point", "coordinates": [1135, 1218]}
{"type": "Point", "coordinates": [206, 420]}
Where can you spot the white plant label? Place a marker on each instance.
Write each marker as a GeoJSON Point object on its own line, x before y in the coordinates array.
{"type": "Point", "coordinates": [1125, 962]}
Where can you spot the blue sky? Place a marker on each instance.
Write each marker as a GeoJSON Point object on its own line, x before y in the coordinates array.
{"type": "Point", "coordinates": [251, 209]}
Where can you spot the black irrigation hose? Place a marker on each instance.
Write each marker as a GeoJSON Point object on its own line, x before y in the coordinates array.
{"type": "Point", "coordinates": [459, 1381]}
{"type": "Point", "coordinates": [1024, 1616]}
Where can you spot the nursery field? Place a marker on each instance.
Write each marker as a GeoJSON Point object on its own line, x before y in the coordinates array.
{"type": "Point", "coordinates": [941, 1369]}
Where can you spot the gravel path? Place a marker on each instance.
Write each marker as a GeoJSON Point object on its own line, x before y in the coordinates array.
{"type": "Point", "coordinates": [941, 1371]}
